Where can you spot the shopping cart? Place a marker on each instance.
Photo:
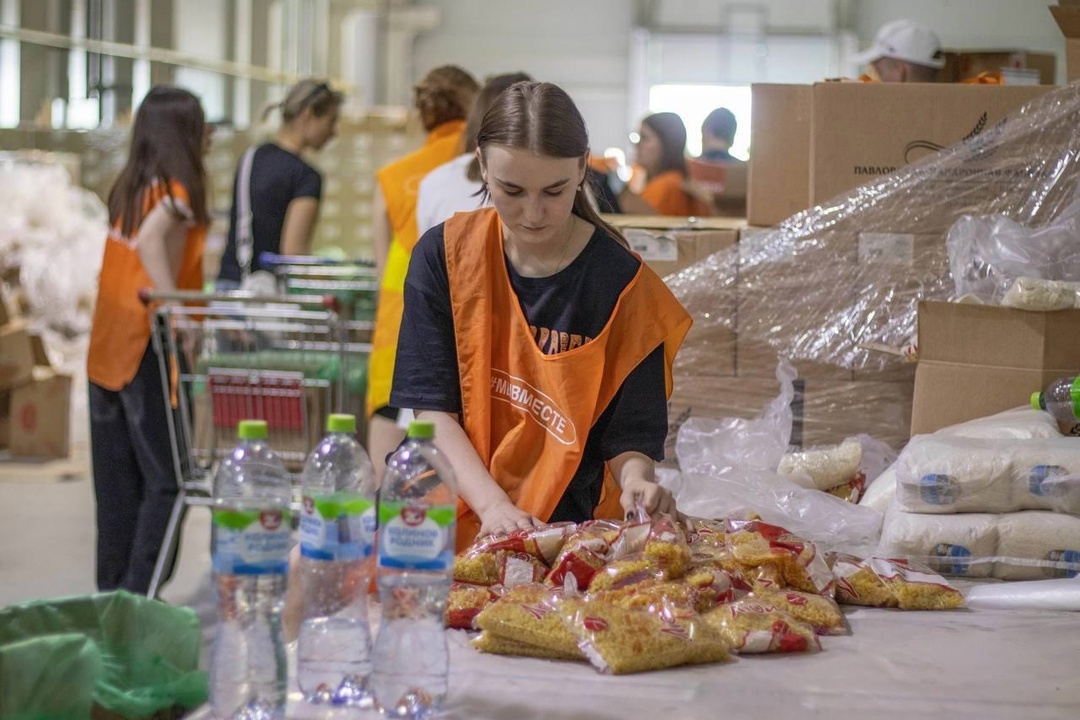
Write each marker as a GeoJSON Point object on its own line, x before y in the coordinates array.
{"type": "Point", "coordinates": [288, 359]}
{"type": "Point", "coordinates": [354, 283]}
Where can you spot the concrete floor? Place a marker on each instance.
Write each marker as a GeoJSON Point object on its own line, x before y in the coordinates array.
{"type": "Point", "coordinates": [48, 536]}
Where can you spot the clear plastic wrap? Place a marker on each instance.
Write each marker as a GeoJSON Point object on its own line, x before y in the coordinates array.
{"type": "Point", "coordinates": [830, 280]}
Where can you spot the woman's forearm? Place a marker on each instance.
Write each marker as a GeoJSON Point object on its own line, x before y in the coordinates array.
{"type": "Point", "coordinates": [476, 486]}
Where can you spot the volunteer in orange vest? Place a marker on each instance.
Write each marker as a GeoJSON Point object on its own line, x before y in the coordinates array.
{"type": "Point", "coordinates": [444, 98]}
{"type": "Point", "coordinates": [158, 217]}
{"type": "Point", "coordinates": [661, 154]}
{"type": "Point", "coordinates": [904, 51]}
{"type": "Point", "coordinates": [537, 342]}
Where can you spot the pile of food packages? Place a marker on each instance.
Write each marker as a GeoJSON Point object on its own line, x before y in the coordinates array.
{"type": "Point", "coordinates": [649, 593]}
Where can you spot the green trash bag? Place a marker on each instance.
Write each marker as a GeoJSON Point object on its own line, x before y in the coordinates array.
{"type": "Point", "coordinates": [147, 654]}
{"type": "Point", "coordinates": [49, 678]}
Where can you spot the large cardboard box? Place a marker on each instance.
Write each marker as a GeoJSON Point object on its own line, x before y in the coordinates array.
{"type": "Point", "coordinates": [811, 143]}
{"type": "Point", "coordinates": [1067, 15]}
{"type": "Point", "coordinates": [861, 131]}
{"type": "Point", "coordinates": [16, 355]}
{"type": "Point", "coordinates": [779, 182]}
{"type": "Point", "coordinates": [40, 416]}
{"type": "Point", "coordinates": [977, 360]}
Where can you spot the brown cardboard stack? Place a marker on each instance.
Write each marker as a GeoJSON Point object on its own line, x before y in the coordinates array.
{"type": "Point", "coordinates": [977, 360]}
{"type": "Point", "coordinates": [832, 285]}
{"type": "Point", "coordinates": [35, 400]}
{"type": "Point", "coordinates": [813, 143]}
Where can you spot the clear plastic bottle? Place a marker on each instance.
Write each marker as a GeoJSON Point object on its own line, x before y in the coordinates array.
{"type": "Point", "coordinates": [1061, 399]}
{"type": "Point", "coordinates": [250, 548]}
{"type": "Point", "coordinates": [417, 523]}
{"type": "Point", "coordinates": [337, 529]}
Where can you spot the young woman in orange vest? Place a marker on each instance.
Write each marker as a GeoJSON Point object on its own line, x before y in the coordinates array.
{"type": "Point", "coordinates": [284, 191]}
{"type": "Point", "coordinates": [158, 217]}
{"type": "Point", "coordinates": [537, 342]}
{"type": "Point", "coordinates": [661, 153]}
{"type": "Point", "coordinates": [444, 98]}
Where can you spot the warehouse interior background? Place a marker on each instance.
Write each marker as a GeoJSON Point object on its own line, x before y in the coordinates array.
{"type": "Point", "coordinates": [71, 72]}
{"type": "Point", "coordinates": [72, 67]}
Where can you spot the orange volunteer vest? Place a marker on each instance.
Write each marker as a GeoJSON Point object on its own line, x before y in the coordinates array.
{"type": "Point", "coordinates": [666, 194]}
{"type": "Point", "coordinates": [400, 181]}
{"type": "Point", "coordinates": [121, 328]}
{"type": "Point", "coordinates": [528, 414]}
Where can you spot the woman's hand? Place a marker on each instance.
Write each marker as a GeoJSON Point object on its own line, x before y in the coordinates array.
{"type": "Point", "coordinates": [505, 517]}
{"type": "Point", "coordinates": [649, 494]}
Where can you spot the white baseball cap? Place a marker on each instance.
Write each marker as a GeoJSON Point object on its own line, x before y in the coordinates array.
{"type": "Point", "coordinates": [904, 40]}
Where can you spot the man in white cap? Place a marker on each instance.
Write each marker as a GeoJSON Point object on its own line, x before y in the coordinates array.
{"type": "Point", "coordinates": [904, 51]}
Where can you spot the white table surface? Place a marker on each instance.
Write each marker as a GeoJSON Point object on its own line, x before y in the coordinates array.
{"type": "Point", "coordinates": [985, 664]}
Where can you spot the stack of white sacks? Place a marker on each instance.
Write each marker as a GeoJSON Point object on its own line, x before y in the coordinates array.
{"type": "Point", "coordinates": [996, 497]}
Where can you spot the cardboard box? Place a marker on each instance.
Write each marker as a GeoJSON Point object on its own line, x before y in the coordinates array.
{"type": "Point", "coordinates": [977, 360]}
{"type": "Point", "coordinates": [1067, 15]}
{"type": "Point", "coordinates": [40, 417]}
{"type": "Point", "coordinates": [811, 143]}
{"type": "Point", "coordinates": [16, 355]}
{"type": "Point", "coordinates": [861, 131]}
{"type": "Point", "coordinates": [779, 182]}
{"type": "Point", "coordinates": [965, 64]}
{"type": "Point", "coordinates": [833, 411]}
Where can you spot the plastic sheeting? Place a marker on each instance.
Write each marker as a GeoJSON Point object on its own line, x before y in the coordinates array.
{"type": "Point", "coordinates": [830, 280]}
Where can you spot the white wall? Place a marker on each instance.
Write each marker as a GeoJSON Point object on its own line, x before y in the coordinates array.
{"type": "Point", "coordinates": [200, 28]}
{"type": "Point", "coordinates": [581, 45]}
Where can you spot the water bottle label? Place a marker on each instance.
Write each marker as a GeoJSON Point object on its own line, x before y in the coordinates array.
{"type": "Point", "coordinates": [337, 526]}
{"type": "Point", "coordinates": [416, 537]}
{"type": "Point", "coordinates": [251, 542]}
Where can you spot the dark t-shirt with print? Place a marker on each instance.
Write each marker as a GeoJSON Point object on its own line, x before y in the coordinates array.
{"type": "Point", "coordinates": [563, 311]}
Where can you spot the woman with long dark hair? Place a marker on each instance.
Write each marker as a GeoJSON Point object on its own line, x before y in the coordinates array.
{"type": "Point", "coordinates": [158, 221]}
{"type": "Point", "coordinates": [537, 342]}
{"type": "Point", "coordinates": [661, 154]}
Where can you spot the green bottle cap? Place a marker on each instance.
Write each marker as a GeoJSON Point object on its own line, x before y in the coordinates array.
{"type": "Point", "coordinates": [252, 430]}
{"type": "Point", "coordinates": [422, 429]}
{"type": "Point", "coordinates": [1037, 401]}
{"type": "Point", "coordinates": [341, 423]}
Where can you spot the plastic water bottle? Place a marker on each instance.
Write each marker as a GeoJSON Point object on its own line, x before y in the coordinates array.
{"type": "Point", "coordinates": [1061, 399]}
{"type": "Point", "coordinates": [250, 548]}
{"type": "Point", "coordinates": [337, 530]}
{"type": "Point", "coordinates": [417, 513]}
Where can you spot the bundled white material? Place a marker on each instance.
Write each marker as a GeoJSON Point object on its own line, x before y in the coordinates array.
{"type": "Point", "coordinates": [1058, 594]}
{"type": "Point", "coordinates": [942, 474]}
{"type": "Point", "coordinates": [1026, 545]}
{"type": "Point", "coordinates": [1043, 295]}
{"type": "Point", "coordinates": [951, 544]}
{"type": "Point", "coordinates": [1016, 424]}
{"type": "Point", "coordinates": [54, 232]}
{"type": "Point", "coordinates": [828, 467]}
{"type": "Point", "coordinates": [1050, 540]}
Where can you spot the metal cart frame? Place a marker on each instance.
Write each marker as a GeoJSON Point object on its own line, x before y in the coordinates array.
{"type": "Point", "coordinates": [287, 359]}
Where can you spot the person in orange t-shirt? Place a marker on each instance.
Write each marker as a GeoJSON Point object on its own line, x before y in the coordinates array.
{"type": "Point", "coordinates": [444, 97]}
{"type": "Point", "coordinates": [661, 154]}
{"type": "Point", "coordinates": [158, 219]}
{"type": "Point", "coordinates": [535, 339]}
